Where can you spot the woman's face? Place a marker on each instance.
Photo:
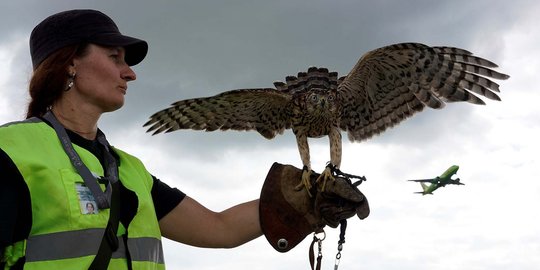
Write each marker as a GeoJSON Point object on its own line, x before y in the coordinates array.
{"type": "Point", "coordinates": [89, 207]}
{"type": "Point", "coordinates": [101, 77]}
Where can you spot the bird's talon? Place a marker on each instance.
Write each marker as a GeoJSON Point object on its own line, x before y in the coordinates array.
{"type": "Point", "coordinates": [305, 182]}
{"type": "Point", "coordinates": [326, 175]}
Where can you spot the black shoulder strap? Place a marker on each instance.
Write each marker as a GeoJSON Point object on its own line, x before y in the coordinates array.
{"type": "Point", "coordinates": [108, 199]}
{"type": "Point", "coordinates": [109, 242]}
{"type": "Point", "coordinates": [102, 198]}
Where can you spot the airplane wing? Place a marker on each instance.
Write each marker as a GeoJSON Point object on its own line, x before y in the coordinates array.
{"type": "Point", "coordinates": [424, 180]}
{"type": "Point", "coordinates": [455, 182]}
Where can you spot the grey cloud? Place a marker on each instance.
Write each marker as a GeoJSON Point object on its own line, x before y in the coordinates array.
{"type": "Point", "coordinates": [201, 48]}
{"type": "Point", "coordinates": [206, 47]}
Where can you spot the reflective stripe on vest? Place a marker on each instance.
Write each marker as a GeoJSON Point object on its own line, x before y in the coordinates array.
{"type": "Point", "coordinates": [38, 247]}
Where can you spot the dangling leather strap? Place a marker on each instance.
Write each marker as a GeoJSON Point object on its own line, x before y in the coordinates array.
{"type": "Point", "coordinates": [342, 229]}
{"type": "Point", "coordinates": [316, 265]}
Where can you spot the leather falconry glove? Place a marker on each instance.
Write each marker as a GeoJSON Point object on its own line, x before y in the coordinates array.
{"type": "Point", "coordinates": [288, 215]}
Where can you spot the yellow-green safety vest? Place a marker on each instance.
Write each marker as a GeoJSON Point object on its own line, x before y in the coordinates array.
{"type": "Point", "coordinates": [62, 236]}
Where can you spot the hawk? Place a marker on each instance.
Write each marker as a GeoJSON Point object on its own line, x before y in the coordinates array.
{"type": "Point", "coordinates": [386, 86]}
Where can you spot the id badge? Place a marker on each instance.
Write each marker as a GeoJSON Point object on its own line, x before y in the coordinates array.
{"type": "Point", "coordinates": [87, 202]}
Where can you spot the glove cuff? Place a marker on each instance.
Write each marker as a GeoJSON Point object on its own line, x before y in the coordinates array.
{"type": "Point", "coordinates": [283, 225]}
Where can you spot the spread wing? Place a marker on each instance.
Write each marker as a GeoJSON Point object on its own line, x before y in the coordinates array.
{"type": "Point", "coordinates": [265, 110]}
{"type": "Point", "coordinates": [391, 83]}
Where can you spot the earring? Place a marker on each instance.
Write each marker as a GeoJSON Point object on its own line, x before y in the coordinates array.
{"type": "Point", "coordinates": [71, 81]}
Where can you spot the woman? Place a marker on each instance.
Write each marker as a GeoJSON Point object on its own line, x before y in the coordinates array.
{"type": "Point", "coordinates": [57, 161]}
{"type": "Point", "coordinates": [81, 70]}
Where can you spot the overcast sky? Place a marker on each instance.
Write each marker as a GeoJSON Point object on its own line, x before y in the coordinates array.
{"type": "Point", "coordinates": [201, 48]}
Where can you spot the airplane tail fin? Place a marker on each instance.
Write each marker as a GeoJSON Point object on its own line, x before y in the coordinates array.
{"type": "Point", "coordinates": [425, 189]}
{"type": "Point", "coordinates": [424, 186]}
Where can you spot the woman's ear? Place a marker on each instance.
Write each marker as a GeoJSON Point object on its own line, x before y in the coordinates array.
{"type": "Point", "coordinates": [71, 69]}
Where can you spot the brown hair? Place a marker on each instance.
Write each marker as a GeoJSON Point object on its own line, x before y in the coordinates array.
{"type": "Point", "coordinates": [49, 79]}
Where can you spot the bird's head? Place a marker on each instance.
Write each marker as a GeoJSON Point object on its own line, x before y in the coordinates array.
{"type": "Point", "coordinates": [321, 101]}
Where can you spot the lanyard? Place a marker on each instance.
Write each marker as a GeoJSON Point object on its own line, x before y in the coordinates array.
{"type": "Point", "coordinates": [103, 199]}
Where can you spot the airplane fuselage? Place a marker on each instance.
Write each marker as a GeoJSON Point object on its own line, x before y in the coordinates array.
{"type": "Point", "coordinates": [440, 181]}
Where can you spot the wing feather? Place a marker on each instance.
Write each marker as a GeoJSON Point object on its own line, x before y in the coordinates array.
{"type": "Point", "coordinates": [265, 110]}
{"type": "Point", "coordinates": [392, 83]}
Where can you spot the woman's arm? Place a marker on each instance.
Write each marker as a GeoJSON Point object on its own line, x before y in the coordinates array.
{"type": "Point", "coordinates": [193, 224]}
{"type": "Point", "coordinates": [15, 206]}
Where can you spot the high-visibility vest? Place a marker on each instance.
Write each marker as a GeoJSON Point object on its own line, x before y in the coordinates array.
{"type": "Point", "coordinates": [62, 236]}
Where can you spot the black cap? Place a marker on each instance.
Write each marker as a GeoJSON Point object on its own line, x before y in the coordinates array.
{"type": "Point", "coordinates": [81, 26]}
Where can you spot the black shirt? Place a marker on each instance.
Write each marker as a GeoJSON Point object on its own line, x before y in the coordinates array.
{"type": "Point", "coordinates": [16, 220]}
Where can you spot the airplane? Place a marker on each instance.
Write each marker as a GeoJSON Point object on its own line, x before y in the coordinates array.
{"type": "Point", "coordinates": [439, 181]}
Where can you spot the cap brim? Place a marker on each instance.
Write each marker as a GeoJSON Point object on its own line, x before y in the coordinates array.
{"type": "Point", "coordinates": [136, 49]}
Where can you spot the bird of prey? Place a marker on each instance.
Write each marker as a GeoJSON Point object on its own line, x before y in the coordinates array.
{"type": "Point", "coordinates": [386, 86]}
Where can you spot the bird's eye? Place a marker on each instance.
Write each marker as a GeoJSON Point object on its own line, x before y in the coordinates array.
{"type": "Point", "coordinates": [314, 98]}
{"type": "Point", "coordinates": [330, 98]}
